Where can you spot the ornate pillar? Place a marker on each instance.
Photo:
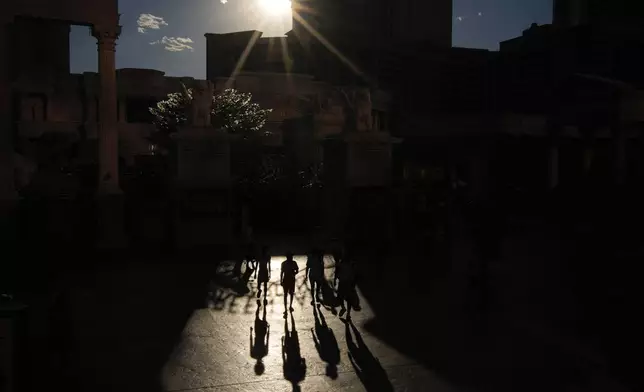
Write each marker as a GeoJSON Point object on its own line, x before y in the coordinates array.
{"type": "Point", "coordinates": [110, 200]}
{"type": "Point", "coordinates": [108, 118]}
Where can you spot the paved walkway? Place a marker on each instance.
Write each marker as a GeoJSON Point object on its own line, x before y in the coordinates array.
{"type": "Point", "coordinates": [188, 328]}
{"type": "Point", "coordinates": [214, 353]}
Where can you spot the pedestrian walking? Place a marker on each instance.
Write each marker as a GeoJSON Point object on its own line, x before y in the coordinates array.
{"type": "Point", "coordinates": [344, 254]}
{"type": "Point", "coordinates": [250, 258]}
{"type": "Point", "coordinates": [315, 273]}
{"type": "Point", "coordinates": [264, 273]}
{"type": "Point", "coordinates": [337, 261]}
{"type": "Point", "coordinates": [347, 288]}
{"type": "Point", "coordinates": [289, 270]}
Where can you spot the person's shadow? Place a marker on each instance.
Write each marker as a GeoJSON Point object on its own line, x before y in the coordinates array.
{"type": "Point", "coordinates": [259, 347]}
{"type": "Point", "coordinates": [368, 368]}
{"type": "Point", "coordinates": [326, 344]}
{"type": "Point", "coordinates": [293, 364]}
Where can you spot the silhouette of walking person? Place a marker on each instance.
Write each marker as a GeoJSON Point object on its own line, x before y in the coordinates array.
{"type": "Point", "coordinates": [251, 260]}
{"type": "Point", "coordinates": [259, 348]}
{"type": "Point", "coordinates": [287, 279]}
{"type": "Point", "coordinates": [294, 366]}
{"type": "Point", "coordinates": [368, 368]}
{"type": "Point", "coordinates": [341, 256]}
{"type": "Point", "coordinates": [264, 274]}
{"type": "Point", "coordinates": [347, 288]}
{"type": "Point", "coordinates": [315, 273]}
{"type": "Point", "coordinates": [249, 246]}
{"type": "Point", "coordinates": [326, 344]}
{"type": "Point", "coordinates": [337, 261]}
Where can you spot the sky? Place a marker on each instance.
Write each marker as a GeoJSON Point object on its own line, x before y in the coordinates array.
{"type": "Point", "coordinates": [168, 35]}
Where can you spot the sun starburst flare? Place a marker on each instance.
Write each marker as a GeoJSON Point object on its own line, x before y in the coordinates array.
{"type": "Point", "coordinates": [277, 8]}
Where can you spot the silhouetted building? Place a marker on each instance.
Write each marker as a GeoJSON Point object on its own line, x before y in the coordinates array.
{"type": "Point", "coordinates": [46, 53]}
{"type": "Point", "coordinates": [40, 48]}
{"type": "Point", "coordinates": [367, 23]}
{"type": "Point", "coordinates": [317, 101]}
{"type": "Point", "coordinates": [280, 75]}
{"type": "Point", "coordinates": [579, 78]}
{"type": "Point", "coordinates": [618, 14]}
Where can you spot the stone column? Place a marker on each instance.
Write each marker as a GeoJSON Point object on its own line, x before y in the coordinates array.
{"type": "Point", "coordinates": [109, 195]}
{"type": "Point", "coordinates": [108, 118]}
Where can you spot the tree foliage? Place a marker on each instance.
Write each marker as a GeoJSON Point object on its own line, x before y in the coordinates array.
{"type": "Point", "coordinates": [170, 113]}
{"type": "Point", "coordinates": [236, 112]}
{"type": "Point", "coordinates": [232, 111]}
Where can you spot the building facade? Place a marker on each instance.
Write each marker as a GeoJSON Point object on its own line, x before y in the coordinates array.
{"type": "Point", "coordinates": [104, 20]}
{"type": "Point", "coordinates": [365, 22]}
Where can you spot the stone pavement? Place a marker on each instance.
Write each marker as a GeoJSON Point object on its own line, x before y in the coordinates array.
{"type": "Point", "coordinates": [214, 352]}
{"type": "Point", "coordinates": [186, 327]}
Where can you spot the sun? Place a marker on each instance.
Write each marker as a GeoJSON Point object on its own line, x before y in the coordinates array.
{"type": "Point", "coordinates": [275, 7]}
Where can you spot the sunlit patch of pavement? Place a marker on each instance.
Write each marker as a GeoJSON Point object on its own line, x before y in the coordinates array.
{"type": "Point", "coordinates": [213, 353]}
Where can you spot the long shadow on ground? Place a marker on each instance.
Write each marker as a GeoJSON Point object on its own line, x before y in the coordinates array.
{"type": "Point", "coordinates": [121, 323]}
{"type": "Point", "coordinates": [478, 350]}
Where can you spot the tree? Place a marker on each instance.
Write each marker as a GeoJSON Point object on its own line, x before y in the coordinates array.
{"type": "Point", "coordinates": [170, 113]}
{"type": "Point", "coordinates": [235, 112]}
{"type": "Point", "coordinates": [232, 110]}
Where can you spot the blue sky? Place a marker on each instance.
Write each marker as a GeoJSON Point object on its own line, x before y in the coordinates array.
{"type": "Point", "coordinates": [183, 23]}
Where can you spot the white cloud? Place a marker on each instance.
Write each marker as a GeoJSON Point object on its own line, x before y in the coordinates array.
{"type": "Point", "coordinates": [150, 22]}
{"type": "Point", "coordinates": [175, 44]}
